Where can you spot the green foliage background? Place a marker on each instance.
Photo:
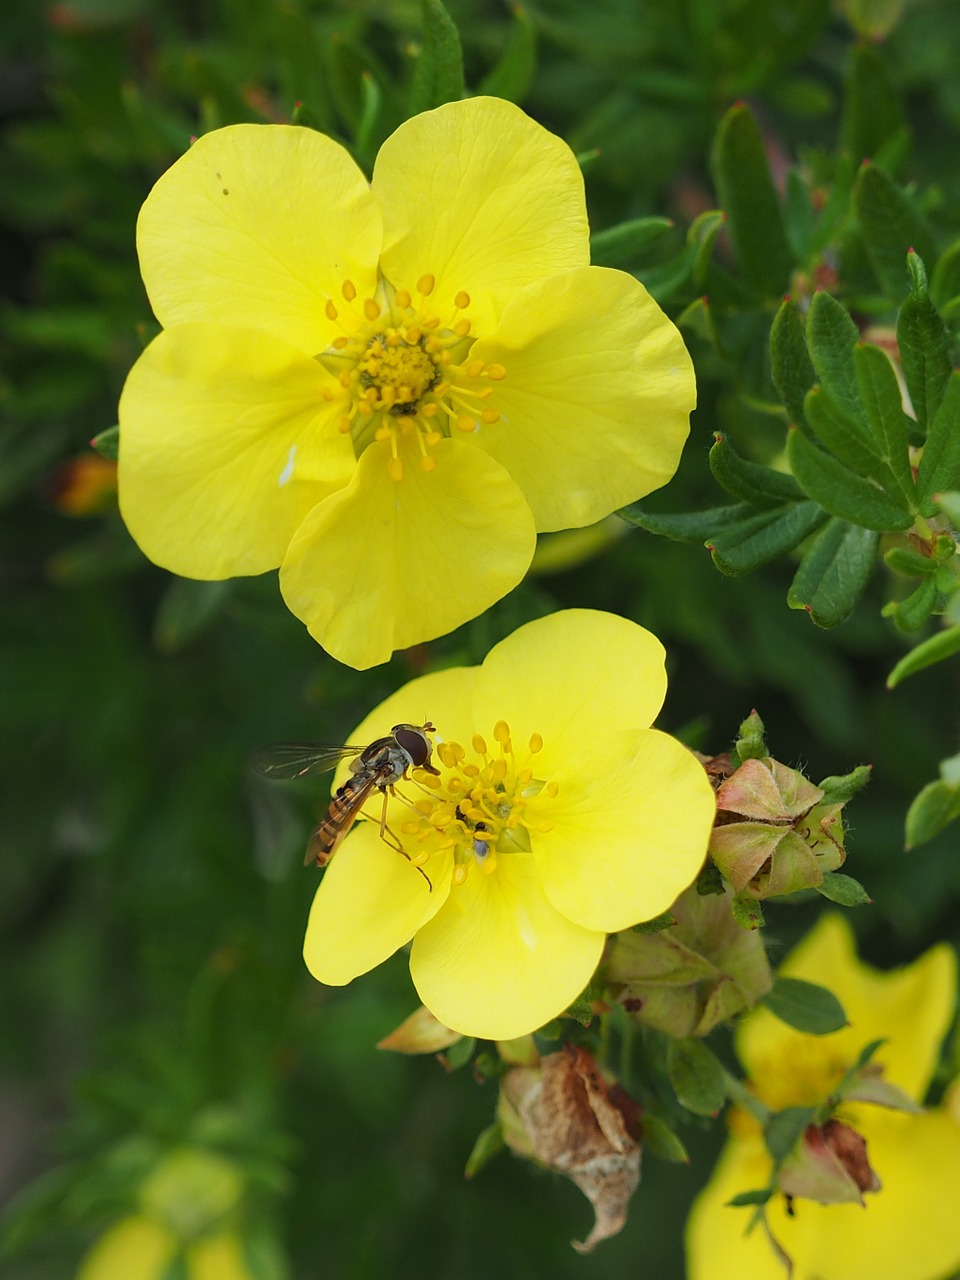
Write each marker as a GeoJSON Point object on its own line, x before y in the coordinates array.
{"type": "Point", "coordinates": [154, 903]}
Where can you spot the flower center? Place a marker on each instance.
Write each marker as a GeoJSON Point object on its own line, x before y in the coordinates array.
{"type": "Point", "coordinates": [477, 806]}
{"type": "Point", "coordinates": [405, 370]}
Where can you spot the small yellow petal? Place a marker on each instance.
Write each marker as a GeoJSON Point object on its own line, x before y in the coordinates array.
{"type": "Point", "coordinates": [136, 1248]}
{"type": "Point", "coordinates": [218, 1257]}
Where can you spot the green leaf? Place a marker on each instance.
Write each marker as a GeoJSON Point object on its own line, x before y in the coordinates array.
{"type": "Point", "coordinates": [662, 1141]}
{"type": "Point", "coordinates": [745, 1198]}
{"type": "Point", "coordinates": [909, 562]}
{"type": "Point", "coordinates": [784, 1129]}
{"type": "Point", "coordinates": [872, 107]}
{"type": "Point", "coordinates": [843, 890]}
{"type": "Point", "coordinates": [840, 491]}
{"type": "Point", "coordinates": [489, 1143]}
{"type": "Point", "coordinates": [924, 346]}
{"type": "Point", "coordinates": [747, 195]}
{"type": "Point", "coordinates": [913, 611]}
{"type": "Point", "coordinates": [945, 281]}
{"type": "Point", "coordinates": [883, 410]}
{"type": "Point", "coordinates": [459, 1053]}
{"type": "Point", "coordinates": [805, 1006]}
{"type": "Point", "coordinates": [940, 464]}
{"type": "Point", "coordinates": [186, 609]}
{"type": "Point", "coordinates": [934, 808]}
{"type": "Point", "coordinates": [626, 241]}
{"type": "Point", "coordinates": [696, 1076]}
{"type": "Point", "coordinates": [832, 338]}
{"type": "Point", "coordinates": [513, 72]}
{"type": "Point", "coordinates": [790, 367]}
{"type": "Point", "coordinates": [688, 526]}
{"type": "Point", "coordinates": [943, 645]}
{"type": "Point", "coordinates": [746, 910]}
{"type": "Point", "coordinates": [845, 437]}
{"type": "Point", "coordinates": [438, 77]}
{"type": "Point", "coordinates": [889, 226]}
{"type": "Point", "coordinates": [834, 572]}
{"type": "Point", "coordinates": [839, 788]}
{"type": "Point", "coordinates": [758, 485]}
{"type": "Point", "coordinates": [799, 220]}
{"type": "Point", "coordinates": [744, 546]}
{"type": "Point", "coordinates": [701, 236]}
{"type": "Point", "coordinates": [663, 921]}
{"type": "Point", "coordinates": [107, 443]}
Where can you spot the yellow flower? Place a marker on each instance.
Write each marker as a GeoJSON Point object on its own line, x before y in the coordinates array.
{"type": "Point", "coordinates": [908, 1229]}
{"type": "Point", "coordinates": [557, 817]}
{"type": "Point", "coordinates": [387, 389]}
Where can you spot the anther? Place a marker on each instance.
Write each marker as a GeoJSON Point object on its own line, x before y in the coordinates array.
{"type": "Point", "coordinates": [344, 426]}
{"type": "Point", "coordinates": [462, 300]}
{"type": "Point", "coordinates": [330, 311]}
{"type": "Point", "coordinates": [479, 745]}
{"type": "Point", "coordinates": [544, 827]}
{"type": "Point", "coordinates": [536, 743]}
{"type": "Point", "coordinates": [490, 415]}
{"type": "Point", "coordinates": [495, 372]}
{"type": "Point", "coordinates": [420, 858]}
{"type": "Point", "coordinates": [371, 308]}
{"type": "Point", "coordinates": [413, 335]}
{"type": "Point", "coordinates": [349, 290]}
{"type": "Point", "coordinates": [501, 731]}
{"type": "Point", "coordinates": [461, 328]}
{"type": "Point", "coordinates": [474, 368]}
{"type": "Point", "coordinates": [459, 874]}
{"type": "Point", "coordinates": [465, 424]}
{"type": "Point", "coordinates": [426, 284]}
{"type": "Point", "coordinates": [471, 770]}
{"type": "Point", "coordinates": [339, 343]}
{"type": "Point", "coordinates": [402, 299]}
{"type": "Point", "coordinates": [551, 789]}
{"type": "Point", "coordinates": [427, 463]}
{"type": "Point", "coordinates": [432, 437]}
{"type": "Point", "coordinates": [395, 468]}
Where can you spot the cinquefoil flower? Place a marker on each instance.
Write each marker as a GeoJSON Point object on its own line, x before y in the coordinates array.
{"type": "Point", "coordinates": [908, 1229]}
{"type": "Point", "coordinates": [387, 388]}
{"type": "Point", "coordinates": [558, 817]}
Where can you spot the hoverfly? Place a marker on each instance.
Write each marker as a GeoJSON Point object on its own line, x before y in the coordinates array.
{"type": "Point", "coordinates": [377, 767]}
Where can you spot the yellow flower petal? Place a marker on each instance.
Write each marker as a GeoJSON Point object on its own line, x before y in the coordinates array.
{"type": "Point", "coordinates": [371, 901]}
{"type": "Point", "coordinates": [597, 397]}
{"type": "Point", "coordinates": [258, 225]}
{"type": "Point", "coordinates": [498, 961]}
{"type": "Point", "coordinates": [627, 839]}
{"type": "Point", "coordinates": [218, 1257]}
{"type": "Point", "coordinates": [584, 680]}
{"type": "Point", "coordinates": [504, 198]}
{"type": "Point", "coordinates": [385, 564]}
{"type": "Point", "coordinates": [136, 1249]}
{"type": "Point", "coordinates": [226, 444]}
{"type": "Point", "coordinates": [716, 1243]}
{"type": "Point", "coordinates": [911, 1008]}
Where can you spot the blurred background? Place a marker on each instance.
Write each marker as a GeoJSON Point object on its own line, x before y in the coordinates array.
{"type": "Point", "coordinates": [154, 901]}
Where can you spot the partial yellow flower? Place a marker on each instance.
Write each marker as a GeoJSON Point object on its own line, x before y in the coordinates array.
{"type": "Point", "coordinates": [558, 817]}
{"type": "Point", "coordinates": [908, 1229]}
{"type": "Point", "coordinates": [387, 388]}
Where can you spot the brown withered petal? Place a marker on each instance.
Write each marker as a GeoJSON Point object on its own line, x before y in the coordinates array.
{"type": "Point", "coordinates": [582, 1127]}
{"type": "Point", "coordinates": [829, 1165]}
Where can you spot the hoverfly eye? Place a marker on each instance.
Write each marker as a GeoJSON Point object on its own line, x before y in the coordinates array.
{"type": "Point", "coordinates": [414, 744]}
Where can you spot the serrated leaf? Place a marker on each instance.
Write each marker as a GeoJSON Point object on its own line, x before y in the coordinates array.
{"type": "Point", "coordinates": [623, 243]}
{"type": "Point", "coordinates": [889, 226]}
{"type": "Point", "coordinates": [744, 546]}
{"type": "Point", "coordinates": [832, 338]}
{"type": "Point", "coordinates": [841, 491]}
{"type": "Point", "coordinates": [438, 77]}
{"type": "Point", "coordinates": [784, 1129]}
{"type": "Point", "coordinates": [940, 464]}
{"type": "Point", "coordinates": [843, 890]}
{"type": "Point", "coordinates": [513, 72]}
{"type": "Point", "coordinates": [687, 526]}
{"type": "Point", "coordinates": [748, 481]}
{"type": "Point", "coordinates": [696, 1076]}
{"type": "Point", "coordinates": [792, 372]}
{"type": "Point", "coordinates": [834, 572]}
{"type": "Point", "coordinates": [748, 197]}
{"type": "Point", "coordinates": [924, 346]}
{"type": "Point", "coordinates": [107, 443]}
{"type": "Point", "coordinates": [945, 644]}
{"type": "Point", "coordinates": [934, 808]}
{"type": "Point", "coordinates": [883, 413]}
{"type": "Point", "coordinates": [662, 1141]}
{"type": "Point", "coordinates": [805, 1006]}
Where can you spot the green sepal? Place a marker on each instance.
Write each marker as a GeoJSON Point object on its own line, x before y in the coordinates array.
{"type": "Point", "coordinates": [663, 921]}
{"type": "Point", "coordinates": [805, 1005]}
{"type": "Point", "coordinates": [843, 890]}
{"type": "Point", "coordinates": [438, 75]}
{"type": "Point", "coordinates": [883, 413]}
{"type": "Point", "coordinates": [696, 1076]}
{"type": "Point", "coordinates": [932, 809]}
{"type": "Point", "coordinates": [834, 572]}
{"type": "Point", "coordinates": [785, 1128]}
{"type": "Point", "coordinates": [913, 611]}
{"type": "Point", "coordinates": [839, 788]}
{"type": "Point", "coordinates": [746, 910]}
{"type": "Point", "coordinates": [841, 491]}
{"type": "Point", "coordinates": [490, 1142]}
{"type": "Point", "coordinates": [687, 526]}
{"type": "Point", "coordinates": [790, 367]}
{"type": "Point", "coordinates": [939, 647]}
{"type": "Point", "coordinates": [748, 481]}
{"type": "Point", "coordinates": [626, 241]}
{"type": "Point", "coordinates": [751, 743]}
{"type": "Point", "coordinates": [889, 226]}
{"type": "Point", "coordinates": [661, 1141]}
{"type": "Point", "coordinates": [746, 1198]}
{"type": "Point", "coordinates": [832, 338]}
{"type": "Point", "coordinates": [747, 195]}
{"type": "Point", "coordinates": [940, 464]}
{"type": "Point", "coordinates": [512, 74]}
{"type": "Point", "coordinates": [924, 346]}
{"type": "Point", "coordinates": [744, 546]}
{"type": "Point", "coordinates": [459, 1053]}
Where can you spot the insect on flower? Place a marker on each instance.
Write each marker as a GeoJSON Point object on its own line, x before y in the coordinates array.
{"type": "Point", "coordinates": [377, 767]}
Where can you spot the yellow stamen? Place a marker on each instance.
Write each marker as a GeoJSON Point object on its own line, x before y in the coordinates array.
{"type": "Point", "coordinates": [462, 300]}
{"type": "Point", "coordinates": [344, 426]}
{"type": "Point", "coordinates": [371, 308]}
{"type": "Point", "coordinates": [427, 463]}
{"type": "Point", "coordinates": [395, 468]}
{"type": "Point", "coordinates": [490, 415]}
{"type": "Point", "coordinates": [330, 311]}
{"type": "Point", "coordinates": [479, 745]}
{"type": "Point", "coordinates": [459, 874]}
{"type": "Point", "coordinates": [402, 299]}
{"type": "Point", "coordinates": [495, 372]}
{"type": "Point", "coordinates": [426, 284]}
{"type": "Point", "coordinates": [461, 328]}
{"type": "Point", "coordinates": [465, 424]}
{"type": "Point", "coordinates": [349, 290]}
{"type": "Point", "coordinates": [536, 743]}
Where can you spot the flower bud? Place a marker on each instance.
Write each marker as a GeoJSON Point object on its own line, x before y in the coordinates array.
{"type": "Point", "coordinates": [829, 1164]}
{"type": "Point", "coordinates": [420, 1033]}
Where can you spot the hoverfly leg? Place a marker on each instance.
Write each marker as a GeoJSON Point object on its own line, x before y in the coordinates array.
{"type": "Point", "coordinates": [387, 836]}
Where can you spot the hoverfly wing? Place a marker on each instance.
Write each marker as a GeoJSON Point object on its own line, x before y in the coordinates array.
{"type": "Point", "coordinates": [343, 809]}
{"type": "Point", "coordinates": [284, 761]}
